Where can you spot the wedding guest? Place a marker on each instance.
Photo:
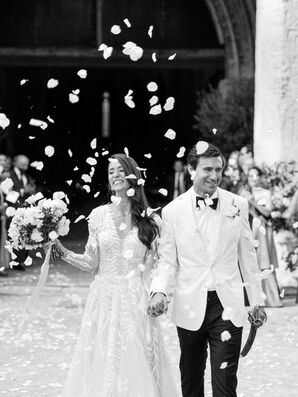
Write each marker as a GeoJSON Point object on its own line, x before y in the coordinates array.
{"type": "Point", "coordinates": [233, 176]}
{"type": "Point", "coordinates": [4, 255]}
{"type": "Point", "coordinates": [246, 159]}
{"type": "Point", "coordinates": [178, 181]}
{"type": "Point", "coordinates": [23, 187]}
{"type": "Point", "coordinates": [260, 206]}
{"type": "Point", "coordinates": [120, 349]}
{"type": "Point", "coordinates": [4, 173]}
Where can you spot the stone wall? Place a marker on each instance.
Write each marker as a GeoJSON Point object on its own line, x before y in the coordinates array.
{"type": "Point", "coordinates": [276, 79]}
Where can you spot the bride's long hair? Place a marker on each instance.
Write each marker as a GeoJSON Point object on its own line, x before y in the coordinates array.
{"type": "Point", "coordinates": [147, 227]}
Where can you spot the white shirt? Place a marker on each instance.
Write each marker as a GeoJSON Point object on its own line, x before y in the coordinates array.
{"type": "Point", "coordinates": [22, 177]}
{"type": "Point", "coordinates": [207, 221]}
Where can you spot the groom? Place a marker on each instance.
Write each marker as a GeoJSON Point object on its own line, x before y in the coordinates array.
{"type": "Point", "coordinates": [205, 233]}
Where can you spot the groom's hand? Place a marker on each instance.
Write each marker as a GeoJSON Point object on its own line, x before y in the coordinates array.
{"type": "Point", "coordinates": [158, 305]}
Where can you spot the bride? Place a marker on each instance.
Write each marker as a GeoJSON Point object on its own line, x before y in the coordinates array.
{"type": "Point", "coordinates": [120, 351]}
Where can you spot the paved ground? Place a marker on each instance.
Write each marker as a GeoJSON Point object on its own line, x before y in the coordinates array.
{"type": "Point", "coordinates": [36, 364]}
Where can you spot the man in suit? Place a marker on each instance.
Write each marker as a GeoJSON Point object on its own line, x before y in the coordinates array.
{"type": "Point", "coordinates": [204, 233]}
{"type": "Point", "coordinates": [178, 181]}
{"type": "Point", "coordinates": [23, 187]}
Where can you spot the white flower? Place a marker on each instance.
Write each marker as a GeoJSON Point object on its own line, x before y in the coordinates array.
{"type": "Point", "coordinates": [53, 235]}
{"type": "Point", "coordinates": [130, 192]}
{"type": "Point", "coordinates": [63, 226]}
{"type": "Point", "coordinates": [36, 236]}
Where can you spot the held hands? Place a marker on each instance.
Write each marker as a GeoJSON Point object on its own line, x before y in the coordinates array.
{"type": "Point", "coordinates": [158, 305]}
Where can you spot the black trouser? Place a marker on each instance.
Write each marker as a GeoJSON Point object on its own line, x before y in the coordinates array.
{"type": "Point", "coordinates": [193, 346]}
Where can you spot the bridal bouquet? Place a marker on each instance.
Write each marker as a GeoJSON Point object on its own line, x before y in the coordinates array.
{"type": "Point", "coordinates": [41, 222]}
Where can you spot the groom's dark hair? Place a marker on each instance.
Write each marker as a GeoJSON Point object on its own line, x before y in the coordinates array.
{"type": "Point", "coordinates": [211, 151]}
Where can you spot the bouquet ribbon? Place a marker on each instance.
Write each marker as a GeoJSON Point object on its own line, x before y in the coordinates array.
{"type": "Point", "coordinates": [31, 302]}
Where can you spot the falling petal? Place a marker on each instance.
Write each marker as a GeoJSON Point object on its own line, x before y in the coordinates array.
{"type": "Point", "coordinates": [115, 29]}
{"type": "Point", "coordinates": [127, 23]}
{"type": "Point", "coordinates": [82, 73]}
{"type": "Point", "coordinates": [7, 184]}
{"type": "Point", "coordinates": [37, 164]}
{"type": "Point", "coordinates": [69, 182]}
{"type": "Point", "coordinates": [105, 152]}
{"type": "Point", "coordinates": [38, 123]}
{"type": "Point", "coordinates": [23, 81]}
{"type": "Point", "coordinates": [93, 143]}
{"type": "Point", "coordinates": [96, 194]}
{"type": "Point", "coordinates": [28, 261]}
{"type": "Point", "coordinates": [126, 152]}
{"type": "Point", "coordinates": [38, 255]}
{"type": "Point", "coordinates": [10, 211]}
{"type": "Point", "coordinates": [79, 218]}
{"type": "Point", "coordinates": [49, 118]}
{"type": "Point", "coordinates": [171, 57]}
{"type": "Point", "coordinates": [164, 192]}
{"type": "Point", "coordinates": [155, 110]}
{"type": "Point", "coordinates": [86, 178]}
{"type": "Point", "coordinates": [87, 188]}
{"type": "Point", "coordinates": [152, 86]}
{"type": "Point", "coordinates": [201, 147]}
{"type": "Point", "coordinates": [130, 192]}
{"type": "Point", "coordinates": [69, 153]}
{"type": "Point", "coordinates": [116, 200]}
{"type": "Point", "coordinates": [4, 121]}
{"type": "Point", "coordinates": [102, 47]}
{"type": "Point", "coordinates": [223, 365]}
{"type": "Point", "coordinates": [150, 31]}
{"type": "Point", "coordinates": [225, 335]}
{"type": "Point", "coordinates": [76, 168]}
{"type": "Point", "coordinates": [153, 100]}
{"type": "Point", "coordinates": [170, 134]}
{"type": "Point", "coordinates": [148, 155]}
{"type": "Point", "coordinates": [91, 161]}
{"type": "Point", "coordinates": [49, 151]}
{"type": "Point", "coordinates": [141, 181]}
{"type": "Point", "coordinates": [73, 98]}
{"type": "Point", "coordinates": [169, 105]}
{"type": "Point", "coordinates": [107, 52]}
{"type": "Point", "coordinates": [52, 83]}
{"type": "Point", "coordinates": [131, 176]}
{"type": "Point", "coordinates": [154, 59]}
{"type": "Point", "coordinates": [214, 130]}
{"type": "Point", "coordinates": [136, 53]}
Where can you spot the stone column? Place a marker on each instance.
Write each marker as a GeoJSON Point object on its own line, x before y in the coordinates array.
{"type": "Point", "coordinates": [276, 81]}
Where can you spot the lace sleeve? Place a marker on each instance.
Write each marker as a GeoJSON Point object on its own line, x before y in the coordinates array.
{"type": "Point", "coordinates": [89, 260]}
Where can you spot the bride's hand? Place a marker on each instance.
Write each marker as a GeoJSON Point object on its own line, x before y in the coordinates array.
{"type": "Point", "coordinates": [56, 251]}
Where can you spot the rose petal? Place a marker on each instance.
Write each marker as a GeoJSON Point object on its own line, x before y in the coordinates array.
{"type": "Point", "coordinates": [52, 83]}
{"type": "Point", "coordinates": [155, 110]}
{"type": "Point", "coordinates": [82, 73]}
{"type": "Point", "coordinates": [107, 52]}
{"type": "Point", "coordinates": [127, 23]}
{"type": "Point", "coordinates": [115, 29]}
{"type": "Point", "coordinates": [170, 134]}
{"type": "Point", "coordinates": [73, 98]}
{"type": "Point", "coordinates": [86, 178]}
{"type": "Point", "coordinates": [79, 218]}
{"type": "Point", "coordinates": [164, 192]}
{"type": "Point", "coordinates": [171, 57]}
{"type": "Point", "coordinates": [154, 59]}
{"type": "Point", "coordinates": [201, 147]}
{"type": "Point", "coordinates": [152, 86]}
{"type": "Point", "coordinates": [130, 192]}
{"type": "Point", "coordinates": [150, 31]}
{"type": "Point", "coordinates": [169, 105]}
{"type": "Point", "coordinates": [49, 151]}
{"type": "Point", "coordinates": [91, 161]}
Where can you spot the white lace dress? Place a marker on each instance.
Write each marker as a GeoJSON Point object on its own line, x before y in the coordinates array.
{"type": "Point", "coordinates": [120, 350]}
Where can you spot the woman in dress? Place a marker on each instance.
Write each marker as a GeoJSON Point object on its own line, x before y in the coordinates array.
{"type": "Point", "coordinates": [260, 207]}
{"type": "Point", "coordinates": [120, 351]}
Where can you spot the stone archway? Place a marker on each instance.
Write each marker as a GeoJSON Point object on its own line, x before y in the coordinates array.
{"type": "Point", "coordinates": [235, 25]}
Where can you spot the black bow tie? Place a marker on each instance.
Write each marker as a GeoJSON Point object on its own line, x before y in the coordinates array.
{"type": "Point", "coordinates": [213, 206]}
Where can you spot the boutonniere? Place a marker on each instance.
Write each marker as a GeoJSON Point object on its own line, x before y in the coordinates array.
{"type": "Point", "coordinates": [233, 211]}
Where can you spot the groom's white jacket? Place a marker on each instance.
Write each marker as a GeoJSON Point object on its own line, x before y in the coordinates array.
{"type": "Point", "coordinates": [188, 263]}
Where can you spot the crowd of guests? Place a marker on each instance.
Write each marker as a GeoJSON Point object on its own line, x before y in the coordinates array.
{"type": "Point", "coordinates": [12, 198]}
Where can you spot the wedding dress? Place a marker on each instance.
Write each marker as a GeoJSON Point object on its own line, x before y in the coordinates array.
{"type": "Point", "coordinates": [120, 351]}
